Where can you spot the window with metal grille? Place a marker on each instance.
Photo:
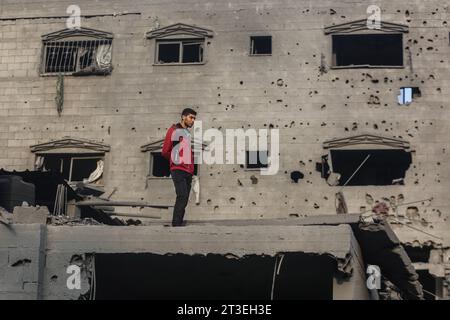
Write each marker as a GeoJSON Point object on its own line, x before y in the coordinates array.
{"type": "Point", "coordinates": [179, 51]}
{"type": "Point", "coordinates": [83, 57]}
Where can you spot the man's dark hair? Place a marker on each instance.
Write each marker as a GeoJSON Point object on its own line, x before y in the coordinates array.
{"type": "Point", "coordinates": [188, 111]}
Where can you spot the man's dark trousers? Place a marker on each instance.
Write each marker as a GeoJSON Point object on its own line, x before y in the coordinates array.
{"type": "Point", "coordinates": [182, 181]}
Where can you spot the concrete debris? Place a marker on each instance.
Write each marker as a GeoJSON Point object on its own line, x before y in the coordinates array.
{"type": "Point", "coordinates": [380, 246]}
{"type": "Point", "coordinates": [65, 221]}
{"type": "Point", "coordinates": [26, 215]}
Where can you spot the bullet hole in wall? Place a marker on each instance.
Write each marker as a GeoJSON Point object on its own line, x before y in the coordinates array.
{"type": "Point", "coordinates": [296, 176]}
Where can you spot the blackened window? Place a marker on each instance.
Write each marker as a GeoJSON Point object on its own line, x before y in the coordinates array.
{"type": "Point", "coordinates": [365, 50]}
{"type": "Point", "coordinates": [261, 45]}
{"type": "Point", "coordinates": [160, 166]}
{"type": "Point", "coordinates": [180, 51]}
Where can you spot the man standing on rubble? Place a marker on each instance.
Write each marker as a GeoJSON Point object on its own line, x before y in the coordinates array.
{"type": "Point", "coordinates": [177, 149]}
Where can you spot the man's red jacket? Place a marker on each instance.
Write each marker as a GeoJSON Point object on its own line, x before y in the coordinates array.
{"type": "Point", "coordinates": [168, 146]}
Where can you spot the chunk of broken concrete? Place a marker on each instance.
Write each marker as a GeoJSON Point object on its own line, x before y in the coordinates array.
{"type": "Point", "coordinates": [29, 215]}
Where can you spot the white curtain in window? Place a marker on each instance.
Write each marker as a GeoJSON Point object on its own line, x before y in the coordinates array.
{"type": "Point", "coordinates": [103, 56]}
{"type": "Point", "coordinates": [96, 174]}
{"type": "Point", "coordinates": [39, 164]}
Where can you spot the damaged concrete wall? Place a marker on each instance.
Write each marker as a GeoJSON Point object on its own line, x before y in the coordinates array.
{"type": "Point", "coordinates": [22, 260]}
{"type": "Point", "coordinates": [26, 249]}
{"type": "Point", "coordinates": [288, 91]}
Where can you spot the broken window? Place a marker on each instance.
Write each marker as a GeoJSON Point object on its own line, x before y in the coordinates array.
{"type": "Point", "coordinates": [256, 159]}
{"type": "Point", "coordinates": [179, 51]}
{"type": "Point", "coordinates": [160, 166]}
{"type": "Point", "coordinates": [368, 50]}
{"type": "Point", "coordinates": [407, 94]}
{"type": "Point", "coordinates": [354, 161]}
{"type": "Point", "coordinates": [77, 57]}
{"type": "Point", "coordinates": [261, 45]}
{"type": "Point", "coordinates": [75, 167]}
{"type": "Point", "coordinates": [383, 166]}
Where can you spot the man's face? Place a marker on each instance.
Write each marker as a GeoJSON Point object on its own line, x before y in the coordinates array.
{"type": "Point", "coordinates": [189, 120]}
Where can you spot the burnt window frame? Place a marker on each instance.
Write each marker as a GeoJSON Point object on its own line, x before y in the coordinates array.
{"type": "Point", "coordinates": [363, 175]}
{"type": "Point", "coordinates": [73, 156]}
{"type": "Point", "coordinates": [368, 66]}
{"type": "Point", "coordinates": [78, 40]}
{"type": "Point", "coordinates": [182, 44]}
{"type": "Point", "coordinates": [251, 52]}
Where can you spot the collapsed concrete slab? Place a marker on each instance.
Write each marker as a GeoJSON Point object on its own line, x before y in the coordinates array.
{"type": "Point", "coordinates": [269, 245]}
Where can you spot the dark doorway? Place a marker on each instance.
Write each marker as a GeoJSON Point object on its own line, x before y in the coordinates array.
{"type": "Point", "coordinates": [151, 276]}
